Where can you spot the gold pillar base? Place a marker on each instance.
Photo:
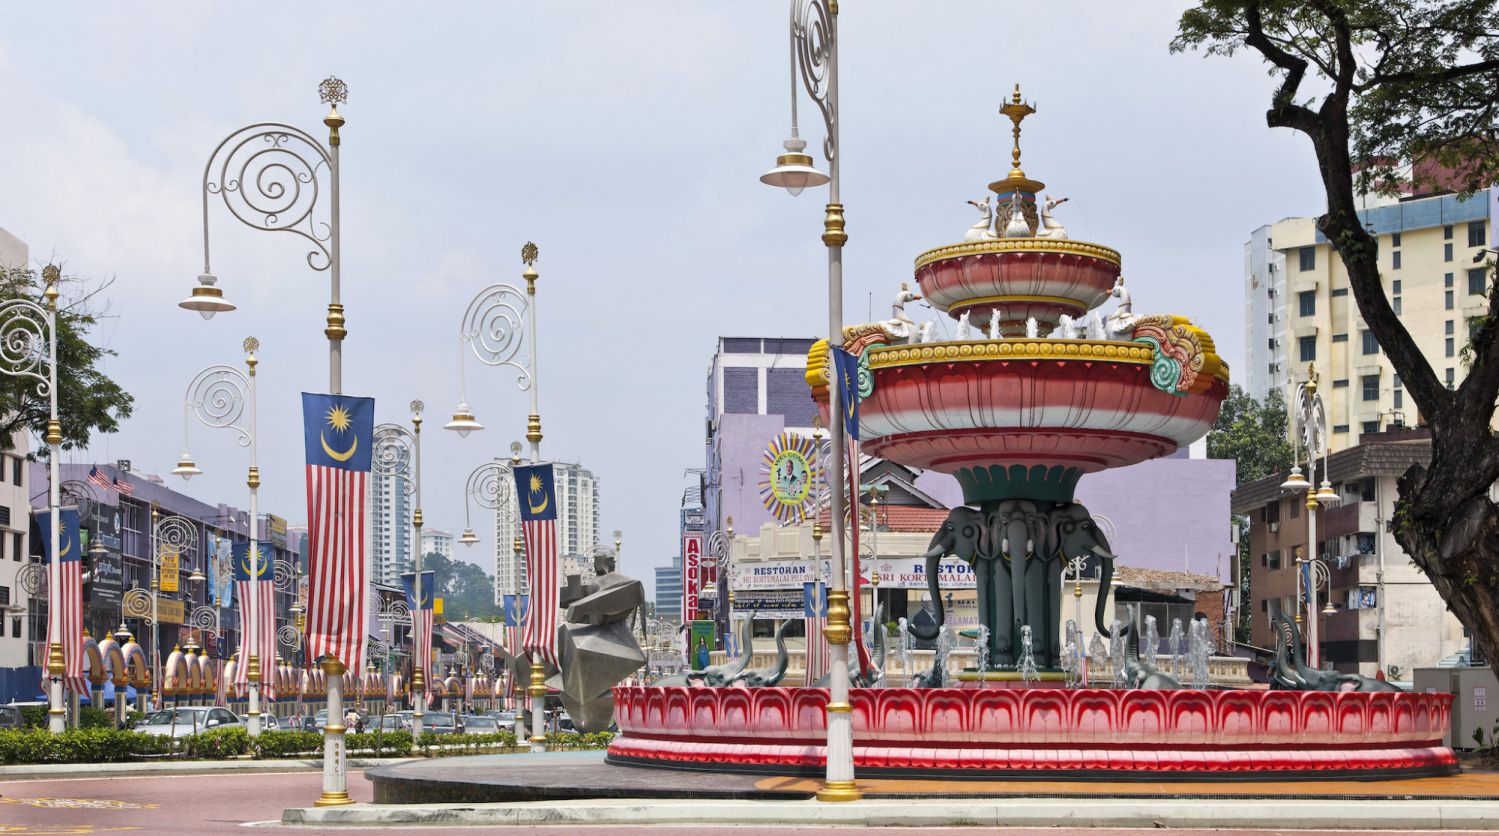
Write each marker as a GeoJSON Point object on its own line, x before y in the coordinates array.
{"type": "Point", "coordinates": [839, 791]}
{"type": "Point", "coordinates": [333, 799]}
{"type": "Point", "coordinates": [536, 740]}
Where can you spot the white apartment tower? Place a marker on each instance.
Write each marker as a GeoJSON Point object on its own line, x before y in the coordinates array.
{"type": "Point", "coordinates": [390, 535]}
{"type": "Point", "coordinates": [437, 541]}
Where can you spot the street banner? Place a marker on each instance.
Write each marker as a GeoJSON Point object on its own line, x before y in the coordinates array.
{"type": "Point", "coordinates": [256, 590]}
{"type": "Point", "coordinates": [422, 614]}
{"type": "Point", "coordinates": [65, 621]}
{"type": "Point", "coordinates": [692, 574]}
{"type": "Point", "coordinates": [536, 489]}
{"type": "Point", "coordinates": [339, 434]}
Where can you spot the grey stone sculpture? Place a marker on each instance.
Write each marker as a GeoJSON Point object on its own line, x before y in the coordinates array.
{"type": "Point", "coordinates": [1289, 671]}
{"type": "Point", "coordinates": [595, 645]}
{"type": "Point", "coordinates": [717, 675]}
{"type": "Point", "coordinates": [1139, 673]}
{"type": "Point", "coordinates": [766, 677]}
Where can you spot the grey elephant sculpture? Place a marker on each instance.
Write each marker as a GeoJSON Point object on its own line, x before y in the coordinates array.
{"type": "Point", "coordinates": [766, 677]}
{"type": "Point", "coordinates": [1137, 672]}
{"type": "Point", "coordinates": [1019, 527]}
{"type": "Point", "coordinates": [962, 534]}
{"type": "Point", "coordinates": [865, 679]}
{"type": "Point", "coordinates": [716, 676]}
{"type": "Point", "coordinates": [1289, 671]}
{"type": "Point", "coordinates": [1078, 535]}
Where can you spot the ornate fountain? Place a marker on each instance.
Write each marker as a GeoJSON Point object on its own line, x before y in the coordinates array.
{"type": "Point", "coordinates": [1036, 389]}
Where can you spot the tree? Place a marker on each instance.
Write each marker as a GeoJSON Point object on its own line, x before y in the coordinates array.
{"type": "Point", "coordinates": [88, 400]}
{"type": "Point", "coordinates": [467, 591]}
{"type": "Point", "coordinates": [1254, 434]}
{"type": "Point", "coordinates": [1381, 83]}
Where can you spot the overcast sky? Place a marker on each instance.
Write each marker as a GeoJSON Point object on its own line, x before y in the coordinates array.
{"type": "Point", "coordinates": [626, 139]}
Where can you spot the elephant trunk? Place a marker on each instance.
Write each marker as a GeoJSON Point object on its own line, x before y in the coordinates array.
{"type": "Point", "coordinates": [1105, 581]}
{"type": "Point", "coordinates": [933, 560]}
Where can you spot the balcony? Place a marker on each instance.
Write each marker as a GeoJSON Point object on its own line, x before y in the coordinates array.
{"type": "Point", "coordinates": [1348, 518]}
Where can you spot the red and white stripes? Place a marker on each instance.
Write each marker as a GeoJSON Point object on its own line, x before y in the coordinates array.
{"type": "Point", "coordinates": [337, 570]}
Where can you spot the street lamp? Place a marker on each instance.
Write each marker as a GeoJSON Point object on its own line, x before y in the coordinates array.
{"type": "Point", "coordinates": [28, 349]}
{"type": "Point", "coordinates": [1308, 414]}
{"type": "Point", "coordinates": [814, 58]}
{"type": "Point", "coordinates": [491, 328]}
{"type": "Point", "coordinates": [268, 175]}
{"type": "Point", "coordinates": [398, 455]}
{"type": "Point", "coordinates": [173, 532]}
{"type": "Point", "coordinates": [217, 397]}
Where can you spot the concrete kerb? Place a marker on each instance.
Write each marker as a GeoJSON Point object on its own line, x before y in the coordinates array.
{"type": "Point", "coordinates": [71, 770]}
{"type": "Point", "coordinates": [1310, 814]}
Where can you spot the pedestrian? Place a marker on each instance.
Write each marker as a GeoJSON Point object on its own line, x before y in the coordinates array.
{"type": "Point", "coordinates": [351, 719]}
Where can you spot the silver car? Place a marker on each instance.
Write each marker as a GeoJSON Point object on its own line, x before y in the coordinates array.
{"type": "Point", "coordinates": [180, 722]}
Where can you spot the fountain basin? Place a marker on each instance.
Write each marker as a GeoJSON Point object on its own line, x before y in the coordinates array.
{"type": "Point", "coordinates": [1017, 278]}
{"type": "Point", "coordinates": [1027, 418]}
{"type": "Point", "coordinates": [1041, 733]}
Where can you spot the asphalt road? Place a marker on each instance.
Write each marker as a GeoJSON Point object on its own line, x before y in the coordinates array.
{"type": "Point", "coordinates": [224, 804]}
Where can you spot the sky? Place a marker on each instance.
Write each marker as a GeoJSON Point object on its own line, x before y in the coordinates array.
{"type": "Point", "coordinates": [626, 140]}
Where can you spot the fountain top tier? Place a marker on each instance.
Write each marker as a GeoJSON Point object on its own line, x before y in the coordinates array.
{"type": "Point", "coordinates": [1037, 387]}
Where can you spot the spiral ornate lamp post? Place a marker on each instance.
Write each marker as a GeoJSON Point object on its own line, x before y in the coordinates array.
{"type": "Point", "coordinates": [1308, 415]}
{"type": "Point", "coordinates": [28, 349]}
{"type": "Point", "coordinates": [217, 397]}
{"type": "Point", "coordinates": [398, 455]}
{"type": "Point", "coordinates": [174, 532]}
{"type": "Point", "coordinates": [488, 485]}
{"type": "Point", "coordinates": [814, 59]}
{"type": "Point", "coordinates": [269, 177]}
{"type": "Point", "coordinates": [491, 328]}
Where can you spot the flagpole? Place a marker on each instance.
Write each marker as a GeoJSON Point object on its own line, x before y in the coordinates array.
{"type": "Point", "coordinates": [418, 621]}
{"type": "Point", "coordinates": [56, 664]}
{"type": "Point", "coordinates": [252, 480]}
{"type": "Point", "coordinates": [538, 689]}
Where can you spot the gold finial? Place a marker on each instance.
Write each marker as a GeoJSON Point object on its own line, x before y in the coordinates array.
{"type": "Point", "coordinates": [333, 92]}
{"type": "Point", "coordinates": [251, 345]}
{"type": "Point", "coordinates": [529, 253]}
{"type": "Point", "coordinates": [1311, 378]}
{"type": "Point", "coordinates": [51, 275]}
{"type": "Point", "coordinates": [1017, 110]}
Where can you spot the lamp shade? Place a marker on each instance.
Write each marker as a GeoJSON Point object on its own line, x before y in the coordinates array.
{"type": "Point", "coordinates": [1295, 482]}
{"type": "Point", "coordinates": [1326, 495]}
{"type": "Point", "coordinates": [793, 170]}
{"type": "Point", "coordinates": [206, 299]}
{"type": "Point", "coordinates": [468, 537]}
{"type": "Point", "coordinates": [463, 421]}
{"type": "Point", "coordinates": [186, 468]}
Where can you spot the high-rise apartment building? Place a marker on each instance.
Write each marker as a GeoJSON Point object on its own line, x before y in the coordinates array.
{"type": "Point", "coordinates": [1299, 309]}
{"type": "Point", "coordinates": [390, 530]}
{"type": "Point", "coordinates": [577, 528]}
{"type": "Point", "coordinates": [437, 541]}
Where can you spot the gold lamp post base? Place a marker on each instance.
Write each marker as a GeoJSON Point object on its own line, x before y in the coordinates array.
{"type": "Point", "coordinates": [536, 739]}
{"type": "Point", "coordinates": [333, 799]}
{"type": "Point", "coordinates": [839, 791]}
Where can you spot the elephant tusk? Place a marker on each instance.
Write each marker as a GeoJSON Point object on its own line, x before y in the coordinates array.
{"type": "Point", "coordinates": [935, 551]}
{"type": "Point", "coordinates": [1030, 546]}
{"type": "Point", "coordinates": [1098, 550]}
{"type": "Point", "coordinates": [1004, 546]}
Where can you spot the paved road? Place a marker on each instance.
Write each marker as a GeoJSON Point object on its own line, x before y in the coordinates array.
{"type": "Point", "coordinates": [222, 804]}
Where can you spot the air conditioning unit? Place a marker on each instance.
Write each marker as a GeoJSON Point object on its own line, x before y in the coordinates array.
{"type": "Point", "coordinates": [1274, 527]}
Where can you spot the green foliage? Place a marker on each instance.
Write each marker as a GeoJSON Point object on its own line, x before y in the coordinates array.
{"type": "Point", "coordinates": [90, 717]}
{"type": "Point", "coordinates": [285, 744]}
{"type": "Point", "coordinates": [381, 744]}
{"type": "Point", "coordinates": [34, 716]}
{"type": "Point", "coordinates": [25, 746]}
{"type": "Point", "coordinates": [88, 400]}
{"type": "Point", "coordinates": [436, 745]}
{"type": "Point", "coordinates": [466, 590]}
{"type": "Point", "coordinates": [217, 744]}
{"type": "Point", "coordinates": [1252, 433]}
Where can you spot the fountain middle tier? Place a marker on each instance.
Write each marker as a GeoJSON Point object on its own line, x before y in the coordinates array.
{"type": "Point", "coordinates": [1026, 418]}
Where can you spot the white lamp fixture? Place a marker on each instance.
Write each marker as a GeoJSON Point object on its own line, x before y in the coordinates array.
{"type": "Point", "coordinates": [468, 538]}
{"type": "Point", "coordinates": [794, 170]}
{"type": "Point", "coordinates": [207, 300]}
{"type": "Point", "coordinates": [1326, 495]}
{"type": "Point", "coordinates": [186, 468]}
{"type": "Point", "coordinates": [463, 421]}
{"type": "Point", "coordinates": [1295, 482]}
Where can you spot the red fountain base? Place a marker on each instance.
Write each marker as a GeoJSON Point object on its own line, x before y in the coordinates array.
{"type": "Point", "coordinates": [1042, 733]}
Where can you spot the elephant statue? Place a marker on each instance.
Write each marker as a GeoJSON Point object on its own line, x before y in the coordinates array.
{"type": "Point", "coordinates": [1289, 671]}
{"type": "Point", "coordinates": [1137, 672]}
{"type": "Point", "coordinates": [1020, 528]}
{"type": "Point", "coordinates": [962, 534]}
{"type": "Point", "coordinates": [1077, 535]}
{"type": "Point", "coordinates": [766, 677]}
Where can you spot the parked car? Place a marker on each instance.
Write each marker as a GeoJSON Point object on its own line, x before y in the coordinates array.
{"type": "Point", "coordinates": [439, 724]}
{"type": "Point", "coordinates": [268, 722]}
{"type": "Point", "coordinates": [394, 722]}
{"type": "Point", "coordinates": [506, 719]}
{"type": "Point", "coordinates": [310, 723]}
{"type": "Point", "coordinates": [180, 722]}
{"type": "Point", "coordinates": [479, 724]}
{"type": "Point", "coordinates": [10, 717]}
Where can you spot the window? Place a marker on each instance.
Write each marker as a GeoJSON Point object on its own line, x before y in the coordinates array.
{"type": "Point", "coordinates": [1395, 260]}
{"type": "Point", "coordinates": [1370, 384]}
{"type": "Point", "coordinates": [1478, 281]}
{"type": "Point", "coordinates": [1394, 239]}
{"type": "Point", "coordinates": [1446, 252]}
{"type": "Point", "coordinates": [1272, 559]}
{"type": "Point", "coordinates": [1340, 384]}
{"type": "Point", "coordinates": [1447, 232]}
{"type": "Point", "coordinates": [1475, 233]}
{"type": "Point", "coordinates": [1447, 299]}
{"type": "Point", "coordinates": [1339, 291]}
{"type": "Point", "coordinates": [1450, 332]}
{"type": "Point", "coordinates": [1307, 300]}
{"type": "Point", "coordinates": [1340, 338]}
{"type": "Point", "coordinates": [1399, 398]}
{"type": "Point", "coordinates": [1340, 428]}
{"type": "Point", "coordinates": [1271, 512]}
{"type": "Point", "coordinates": [1451, 377]}
{"type": "Point", "coordinates": [4, 515]}
{"type": "Point", "coordinates": [1447, 280]}
{"type": "Point", "coordinates": [1449, 346]}
{"type": "Point", "coordinates": [15, 470]}
{"type": "Point", "coordinates": [1307, 257]}
{"type": "Point", "coordinates": [1371, 345]}
{"type": "Point", "coordinates": [1395, 303]}
{"type": "Point", "coordinates": [1308, 348]}
{"type": "Point", "coordinates": [1396, 286]}
{"type": "Point", "coordinates": [1370, 427]}
{"type": "Point", "coordinates": [16, 548]}
{"type": "Point", "coordinates": [1396, 381]}
{"type": "Point", "coordinates": [15, 628]}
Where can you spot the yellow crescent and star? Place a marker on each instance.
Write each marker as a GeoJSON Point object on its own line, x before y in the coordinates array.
{"type": "Point", "coordinates": [339, 421]}
{"type": "Point", "coordinates": [537, 488]}
{"type": "Point", "coordinates": [260, 564]}
{"type": "Point", "coordinates": [853, 403]}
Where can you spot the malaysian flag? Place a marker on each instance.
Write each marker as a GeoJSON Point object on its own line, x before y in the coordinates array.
{"type": "Point", "coordinates": [538, 512]}
{"type": "Point", "coordinates": [259, 594]}
{"type": "Point", "coordinates": [815, 615]}
{"type": "Point", "coordinates": [65, 621]}
{"type": "Point", "coordinates": [421, 623]}
{"type": "Point", "coordinates": [847, 366]}
{"type": "Point", "coordinates": [339, 432]}
{"type": "Point", "coordinates": [98, 478]}
{"type": "Point", "coordinates": [123, 485]}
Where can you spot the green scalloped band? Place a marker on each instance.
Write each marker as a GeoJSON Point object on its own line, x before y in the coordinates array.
{"type": "Point", "coordinates": [1038, 482]}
